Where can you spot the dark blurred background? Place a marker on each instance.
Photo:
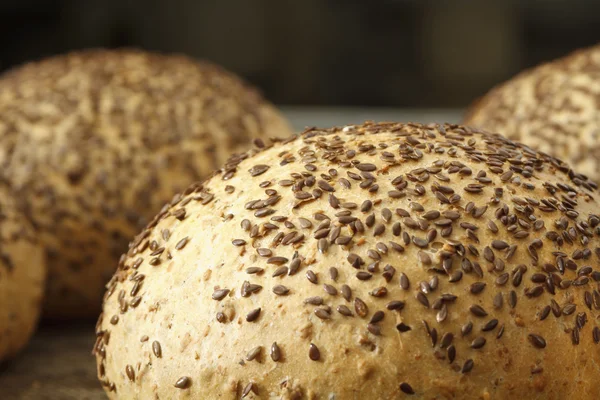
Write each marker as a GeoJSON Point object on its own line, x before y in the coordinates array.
{"type": "Point", "coordinates": [402, 53]}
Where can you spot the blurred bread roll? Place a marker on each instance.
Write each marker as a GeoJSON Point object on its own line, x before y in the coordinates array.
{"type": "Point", "coordinates": [553, 108]}
{"type": "Point", "coordinates": [22, 278]}
{"type": "Point", "coordinates": [93, 144]}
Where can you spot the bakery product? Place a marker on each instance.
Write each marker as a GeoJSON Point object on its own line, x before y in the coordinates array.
{"type": "Point", "coordinates": [552, 108]}
{"type": "Point", "coordinates": [22, 277]}
{"type": "Point", "coordinates": [94, 143]}
{"type": "Point", "coordinates": [376, 261]}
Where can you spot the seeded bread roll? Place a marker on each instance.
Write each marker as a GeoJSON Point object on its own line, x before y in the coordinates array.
{"type": "Point", "coordinates": [22, 278]}
{"type": "Point", "coordinates": [95, 143]}
{"type": "Point", "coordinates": [379, 261]}
{"type": "Point", "coordinates": [552, 108]}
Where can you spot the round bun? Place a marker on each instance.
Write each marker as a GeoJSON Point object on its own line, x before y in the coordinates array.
{"type": "Point", "coordinates": [364, 262]}
{"type": "Point", "coordinates": [553, 108]}
{"type": "Point", "coordinates": [94, 143]}
{"type": "Point", "coordinates": [22, 278]}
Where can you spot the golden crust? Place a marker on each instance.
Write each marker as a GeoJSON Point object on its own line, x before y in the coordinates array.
{"type": "Point", "coordinates": [230, 292]}
{"type": "Point", "coordinates": [95, 142]}
{"type": "Point", "coordinates": [22, 278]}
{"type": "Point", "coordinates": [552, 107]}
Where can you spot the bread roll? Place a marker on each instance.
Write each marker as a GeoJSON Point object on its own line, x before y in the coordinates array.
{"type": "Point", "coordinates": [553, 108]}
{"type": "Point", "coordinates": [379, 261]}
{"type": "Point", "coordinates": [22, 278]}
{"type": "Point", "coordinates": [94, 143]}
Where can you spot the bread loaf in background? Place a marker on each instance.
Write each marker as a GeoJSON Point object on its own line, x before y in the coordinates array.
{"type": "Point", "coordinates": [22, 277]}
{"type": "Point", "coordinates": [94, 143]}
{"type": "Point", "coordinates": [553, 108]}
{"type": "Point", "coordinates": [379, 261]}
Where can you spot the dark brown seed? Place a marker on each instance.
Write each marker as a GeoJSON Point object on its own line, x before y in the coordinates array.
{"type": "Point", "coordinates": [322, 313]}
{"type": "Point", "coordinates": [555, 308]}
{"type": "Point", "coordinates": [544, 313]}
{"type": "Point", "coordinates": [466, 328]}
{"type": "Point", "coordinates": [277, 260]}
{"type": "Point", "coordinates": [220, 294]}
{"type": "Point", "coordinates": [477, 287]}
{"type": "Point", "coordinates": [183, 383]}
{"type": "Point", "coordinates": [363, 275]}
{"type": "Point", "coordinates": [250, 387]}
{"type": "Point", "coordinates": [467, 366]}
{"type": "Point", "coordinates": [254, 270]}
{"type": "Point", "coordinates": [499, 244]}
{"type": "Point", "coordinates": [442, 314]}
{"type": "Point", "coordinates": [315, 300]}
{"type": "Point", "coordinates": [275, 352]}
{"type": "Point", "coordinates": [478, 342]}
{"type": "Point", "coordinates": [500, 332]}
{"type": "Point", "coordinates": [537, 340]}
{"type": "Point", "coordinates": [402, 327]}
{"type": "Point", "coordinates": [378, 230]}
{"type": "Point", "coordinates": [252, 354]}
{"type": "Point", "coordinates": [596, 334]}
{"type": "Point", "coordinates": [258, 169]}
{"type": "Point", "coordinates": [502, 279]}
{"type": "Point", "coordinates": [238, 242]}
{"type": "Point", "coordinates": [377, 317]}
{"type": "Point", "coordinates": [395, 305]}
{"type": "Point", "coordinates": [446, 340]}
{"type": "Point", "coordinates": [330, 290]}
{"type": "Point", "coordinates": [312, 277]}
{"type": "Point", "coordinates": [512, 299]}
{"type": "Point", "coordinates": [406, 388]}
{"type": "Point", "coordinates": [360, 307]}
{"type": "Point", "coordinates": [221, 318]}
{"type": "Point", "coordinates": [314, 352]}
{"type": "Point", "coordinates": [490, 325]}
{"type": "Point", "coordinates": [294, 266]}
{"type": "Point", "coordinates": [130, 373]}
{"type": "Point", "coordinates": [157, 349]}
{"type": "Point", "coordinates": [366, 167]}
{"type": "Point", "coordinates": [181, 244]}
{"type": "Point", "coordinates": [451, 353]}
{"type": "Point", "coordinates": [283, 270]}
{"type": "Point", "coordinates": [379, 292]}
{"type": "Point", "coordinates": [346, 292]}
{"type": "Point", "coordinates": [455, 276]}
{"type": "Point", "coordinates": [421, 298]}
{"type": "Point", "coordinates": [569, 309]}
{"type": "Point", "coordinates": [280, 290]}
{"type": "Point", "coordinates": [374, 329]}
{"type": "Point", "coordinates": [345, 311]}
{"type": "Point", "coordinates": [477, 310]}
{"type": "Point", "coordinates": [404, 282]}
{"type": "Point", "coordinates": [333, 273]}
{"type": "Point", "coordinates": [253, 315]}
{"type": "Point", "coordinates": [498, 300]}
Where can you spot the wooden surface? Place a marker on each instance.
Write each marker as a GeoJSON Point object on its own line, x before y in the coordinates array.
{"type": "Point", "coordinates": [58, 363]}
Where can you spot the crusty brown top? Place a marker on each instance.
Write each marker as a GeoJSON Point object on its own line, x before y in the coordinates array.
{"type": "Point", "coordinates": [376, 261]}
{"type": "Point", "coordinates": [95, 142]}
{"type": "Point", "coordinates": [552, 108]}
